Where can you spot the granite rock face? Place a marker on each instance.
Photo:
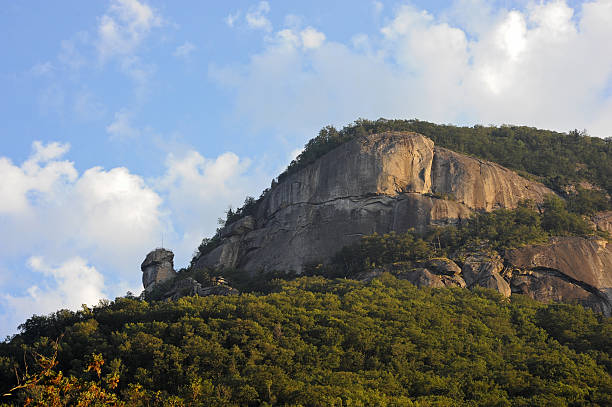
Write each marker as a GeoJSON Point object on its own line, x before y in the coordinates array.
{"type": "Point", "coordinates": [157, 267]}
{"type": "Point", "coordinates": [379, 183]}
{"type": "Point", "coordinates": [569, 269]}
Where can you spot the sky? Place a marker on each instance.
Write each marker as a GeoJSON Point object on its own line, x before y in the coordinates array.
{"type": "Point", "coordinates": [123, 122]}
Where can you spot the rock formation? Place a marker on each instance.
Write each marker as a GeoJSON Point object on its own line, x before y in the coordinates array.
{"type": "Point", "coordinates": [157, 267]}
{"type": "Point", "coordinates": [603, 221]}
{"type": "Point", "coordinates": [385, 182]}
{"type": "Point", "coordinates": [572, 269]}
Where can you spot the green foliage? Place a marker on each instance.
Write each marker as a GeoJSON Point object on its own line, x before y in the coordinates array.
{"type": "Point", "coordinates": [504, 229]}
{"type": "Point", "coordinates": [375, 251]}
{"type": "Point", "coordinates": [558, 221]}
{"type": "Point", "coordinates": [319, 342]}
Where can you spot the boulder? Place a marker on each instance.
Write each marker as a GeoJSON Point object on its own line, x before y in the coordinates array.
{"type": "Point", "coordinates": [443, 266]}
{"type": "Point", "coordinates": [157, 267]}
{"type": "Point", "coordinates": [478, 263]}
{"type": "Point", "coordinates": [494, 281]}
{"type": "Point", "coordinates": [421, 277]}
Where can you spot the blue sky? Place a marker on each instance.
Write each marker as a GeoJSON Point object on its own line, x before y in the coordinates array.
{"type": "Point", "coordinates": [123, 120]}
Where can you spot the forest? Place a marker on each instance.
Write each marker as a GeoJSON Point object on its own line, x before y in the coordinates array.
{"type": "Point", "coordinates": [315, 342]}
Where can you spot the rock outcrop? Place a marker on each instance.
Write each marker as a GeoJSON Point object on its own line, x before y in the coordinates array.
{"type": "Point", "coordinates": [186, 287]}
{"type": "Point", "coordinates": [569, 269]}
{"type": "Point", "coordinates": [157, 267]}
{"type": "Point", "coordinates": [603, 221]}
{"type": "Point", "coordinates": [378, 183]}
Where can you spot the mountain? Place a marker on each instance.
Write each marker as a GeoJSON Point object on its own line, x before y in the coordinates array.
{"type": "Point", "coordinates": [393, 181]}
{"type": "Point", "coordinates": [397, 182]}
{"type": "Point", "coordinates": [392, 263]}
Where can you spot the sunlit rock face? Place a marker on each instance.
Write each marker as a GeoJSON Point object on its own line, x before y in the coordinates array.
{"type": "Point", "coordinates": [571, 269]}
{"type": "Point", "coordinates": [157, 267]}
{"type": "Point", "coordinates": [392, 181]}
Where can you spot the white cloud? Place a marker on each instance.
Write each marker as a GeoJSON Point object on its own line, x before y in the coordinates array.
{"type": "Point", "coordinates": [121, 128]}
{"type": "Point", "coordinates": [64, 286]}
{"type": "Point", "coordinates": [312, 38]}
{"type": "Point", "coordinates": [547, 66]}
{"type": "Point", "coordinates": [37, 178]}
{"type": "Point", "coordinates": [256, 17]}
{"type": "Point", "coordinates": [45, 203]}
{"type": "Point", "coordinates": [184, 50]}
{"type": "Point", "coordinates": [125, 25]}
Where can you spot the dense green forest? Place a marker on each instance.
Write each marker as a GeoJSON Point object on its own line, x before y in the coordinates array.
{"type": "Point", "coordinates": [316, 342]}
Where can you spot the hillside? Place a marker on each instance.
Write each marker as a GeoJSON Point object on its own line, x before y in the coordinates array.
{"type": "Point", "coordinates": [317, 342]}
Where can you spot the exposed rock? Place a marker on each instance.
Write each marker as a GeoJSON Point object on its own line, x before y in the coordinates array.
{"type": "Point", "coordinates": [491, 279]}
{"type": "Point", "coordinates": [547, 286]}
{"type": "Point", "coordinates": [157, 267]}
{"type": "Point", "coordinates": [240, 227]}
{"type": "Point", "coordinates": [422, 277]}
{"type": "Point", "coordinates": [478, 263]}
{"type": "Point", "coordinates": [452, 281]}
{"type": "Point", "coordinates": [603, 221]}
{"type": "Point", "coordinates": [584, 265]}
{"type": "Point", "coordinates": [378, 183]}
{"type": "Point", "coordinates": [443, 266]}
{"type": "Point", "coordinates": [480, 184]}
{"type": "Point", "coordinates": [185, 287]}
{"type": "Point", "coordinates": [483, 269]}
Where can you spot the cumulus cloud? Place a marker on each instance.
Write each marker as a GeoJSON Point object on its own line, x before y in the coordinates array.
{"type": "Point", "coordinates": [256, 17]}
{"type": "Point", "coordinates": [125, 25]}
{"type": "Point", "coordinates": [184, 50]}
{"type": "Point", "coordinates": [548, 65]}
{"type": "Point", "coordinates": [46, 203]}
{"type": "Point", "coordinates": [38, 178]}
{"type": "Point", "coordinates": [64, 286]}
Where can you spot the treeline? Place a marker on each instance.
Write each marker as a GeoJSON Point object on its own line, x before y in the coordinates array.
{"type": "Point", "coordinates": [559, 160]}
{"type": "Point", "coordinates": [315, 342]}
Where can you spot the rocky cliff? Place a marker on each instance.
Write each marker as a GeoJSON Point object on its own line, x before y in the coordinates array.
{"type": "Point", "coordinates": [571, 269]}
{"type": "Point", "coordinates": [378, 183]}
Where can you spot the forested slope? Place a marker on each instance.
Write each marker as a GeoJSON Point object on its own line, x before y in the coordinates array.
{"type": "Point", "coordinates": [318, 342]}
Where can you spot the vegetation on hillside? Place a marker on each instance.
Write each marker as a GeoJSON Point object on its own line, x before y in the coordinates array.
{"type": "Point", "coordinates": [316, 342]}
